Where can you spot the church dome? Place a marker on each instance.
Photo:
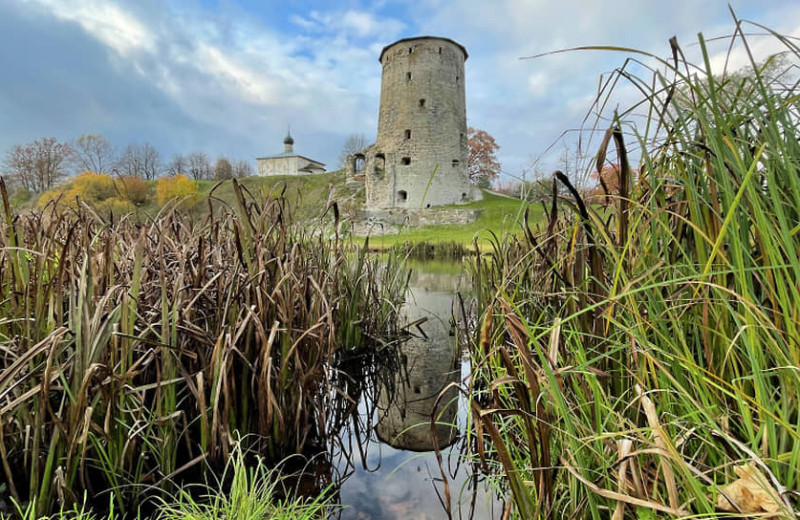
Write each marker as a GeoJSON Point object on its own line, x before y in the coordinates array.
{"type": "Point", "coordinates": [288, 139]}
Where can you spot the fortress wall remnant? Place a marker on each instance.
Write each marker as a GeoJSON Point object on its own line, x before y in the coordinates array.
{"type": "Point", "coordinates": [422, 127]}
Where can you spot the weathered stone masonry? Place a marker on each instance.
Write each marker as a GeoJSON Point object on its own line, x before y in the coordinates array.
{"type": "Point", "coordinates": [419, 158]}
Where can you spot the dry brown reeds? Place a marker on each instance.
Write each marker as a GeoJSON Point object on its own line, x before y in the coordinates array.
{"type": "Point", "coordinates": [132, 354]}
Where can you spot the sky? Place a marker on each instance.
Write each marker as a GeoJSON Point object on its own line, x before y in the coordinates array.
{"type": "Point", "coordinates": [228, 77]}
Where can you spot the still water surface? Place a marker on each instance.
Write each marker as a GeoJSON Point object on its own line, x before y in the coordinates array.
{"type": "Point", "coordinates": [387, 466]}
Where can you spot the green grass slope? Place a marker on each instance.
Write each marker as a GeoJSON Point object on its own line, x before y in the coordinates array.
{"type": "Point", "coordinates": [499, 214]}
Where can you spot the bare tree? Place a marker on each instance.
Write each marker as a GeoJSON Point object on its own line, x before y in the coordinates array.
{"type": "Point", "coordinates": [178, 165]}
{"type": "Point", "coordinates": [354, 143]}
{"type": "Point", "coordinates": [242, 169]}
{"type": "Point", "coordinates": [198, 166]}
{"type": "Point", "coordinates": [94, 153]}
{"type": "Point", "coordinates": [223, 169]}
{"type": "Point", "coordinates": [37, 166]}
{"type": "Point", "coordinates": [573, 161]}
{"type": "Point", "coordinates": [140, 161]}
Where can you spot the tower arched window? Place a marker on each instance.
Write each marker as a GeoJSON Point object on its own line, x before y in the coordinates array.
{"type": "Point", "coordinates": [360, 160]}
{"type": "Point", "coordinates": [380, 163]}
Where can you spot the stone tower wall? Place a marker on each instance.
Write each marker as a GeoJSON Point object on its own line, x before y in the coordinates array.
{"type": "Point", "coordinates": [422, 127]}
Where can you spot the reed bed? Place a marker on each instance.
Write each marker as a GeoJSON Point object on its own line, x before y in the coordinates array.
{"type": "Point", "coordinates": [642, 360]}
{"type": "Point", "coordinates": [133, 354]}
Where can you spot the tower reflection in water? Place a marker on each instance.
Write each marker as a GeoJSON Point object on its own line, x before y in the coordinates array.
{"type": "Point", "coordinates": [429, 363]}
{"type": "Point", "coordinates": [380, 461]}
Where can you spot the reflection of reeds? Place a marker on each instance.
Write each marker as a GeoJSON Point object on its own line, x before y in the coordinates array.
{"type": "Point", "coordinates": [627, 357]}
{"type": "Point", "coordinates": [131, 354]}
{"type": "Point", "coordinates": [452, 251]}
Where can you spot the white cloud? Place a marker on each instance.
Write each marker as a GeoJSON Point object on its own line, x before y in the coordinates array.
{"type": "Point", "coordinates": [360, 24]}
{"type": "Point", "coordinates": [538, 84]}
{"type": "Point", "coordinates": [212, 68]}
{"type": "Point", "coordinates": [302, 22]}
{"type": "Point", "coordinates": [109, 23]}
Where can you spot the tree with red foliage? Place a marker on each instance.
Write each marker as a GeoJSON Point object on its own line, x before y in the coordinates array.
{"type": "Point", "coordinates": [608, 183]}
{"type": "Point", "coordinates": [482, 162]}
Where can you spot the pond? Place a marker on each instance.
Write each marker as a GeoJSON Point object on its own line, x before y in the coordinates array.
{"type": "Point", "coordinates": [385, 461]}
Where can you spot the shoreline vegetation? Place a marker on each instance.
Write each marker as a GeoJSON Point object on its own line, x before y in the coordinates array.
{"type": "Point", "coordinates": [134, 354]}
{"type": "Point", "coordinates": [642, 359]}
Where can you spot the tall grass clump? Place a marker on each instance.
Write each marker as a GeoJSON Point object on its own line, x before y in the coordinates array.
{"type": "Point", "coordinates": [643, 360]}
{"type": "Point", "coordinates": [247, 490]}
{"type": "Point", "coordinates": [131, 355]}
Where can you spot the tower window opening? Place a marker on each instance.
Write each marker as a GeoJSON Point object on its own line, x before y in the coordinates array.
{"type": "Point", "coordinates": [410, 50]}
{"type": "Point", "coordinates": [380, 163]}
{"type": "Point", "coordinates": [457, 78]}
{"type": "Point", "coordinates": [455, 163]}
{"type": "Point", "coordinates": [421, 102]}
{"type": "Point", "coordinates": [408, 76]}
{"type": "Point", "coordinates": [359, 162]}
{"type": "Point", "coordinates": [463, 196]}
{"type": "Point", "coordinates": [402, 196]}
{"type": "Point", "coordinates": [440, 50]}
{"type": "Point", "coordinates": [405, 161]}
{"type": "Point", "coordinates": [408, 134]}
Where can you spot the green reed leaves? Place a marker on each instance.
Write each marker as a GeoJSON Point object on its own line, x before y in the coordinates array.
{"type": "Point", "coordinates": [632, 354]}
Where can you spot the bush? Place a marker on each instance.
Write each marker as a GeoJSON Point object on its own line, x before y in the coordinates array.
{"type": "Point", "coordinates": [92, 187]}
{"type": "Point", "coordinates": [175, 187]}
{"type": "Point", "coordinates": [48, 196]}
{"type": "Point", "coordinates": [133, 189]}
{"type": "Point", "coordinates": [115, 205]}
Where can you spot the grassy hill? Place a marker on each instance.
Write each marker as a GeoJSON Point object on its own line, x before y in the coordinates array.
{"type": "Point", "coordinates": [307, 198]}
{"type": "Point", "coordinates": [499, 214]}
{"type": "Point", "coordinates": [307, 195]}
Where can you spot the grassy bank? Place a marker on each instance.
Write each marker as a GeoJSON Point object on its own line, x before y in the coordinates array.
{"type": "Point", "coordinates": [644, 362]}
{"type": "Point", "coordinates": [500, 215]}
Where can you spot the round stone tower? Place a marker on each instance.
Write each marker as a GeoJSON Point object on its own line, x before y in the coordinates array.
{"type": "Point", "coordinates": [420, 155]}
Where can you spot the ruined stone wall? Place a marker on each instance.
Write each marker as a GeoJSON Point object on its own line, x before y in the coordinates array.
{"type": "Point", "coordinates": [420, 155]}
{"type": "Point", "coordinates": [391, 221]}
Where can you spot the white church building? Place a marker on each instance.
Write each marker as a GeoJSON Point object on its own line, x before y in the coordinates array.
{"type": "Point", "coordinates": [288, 162]}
